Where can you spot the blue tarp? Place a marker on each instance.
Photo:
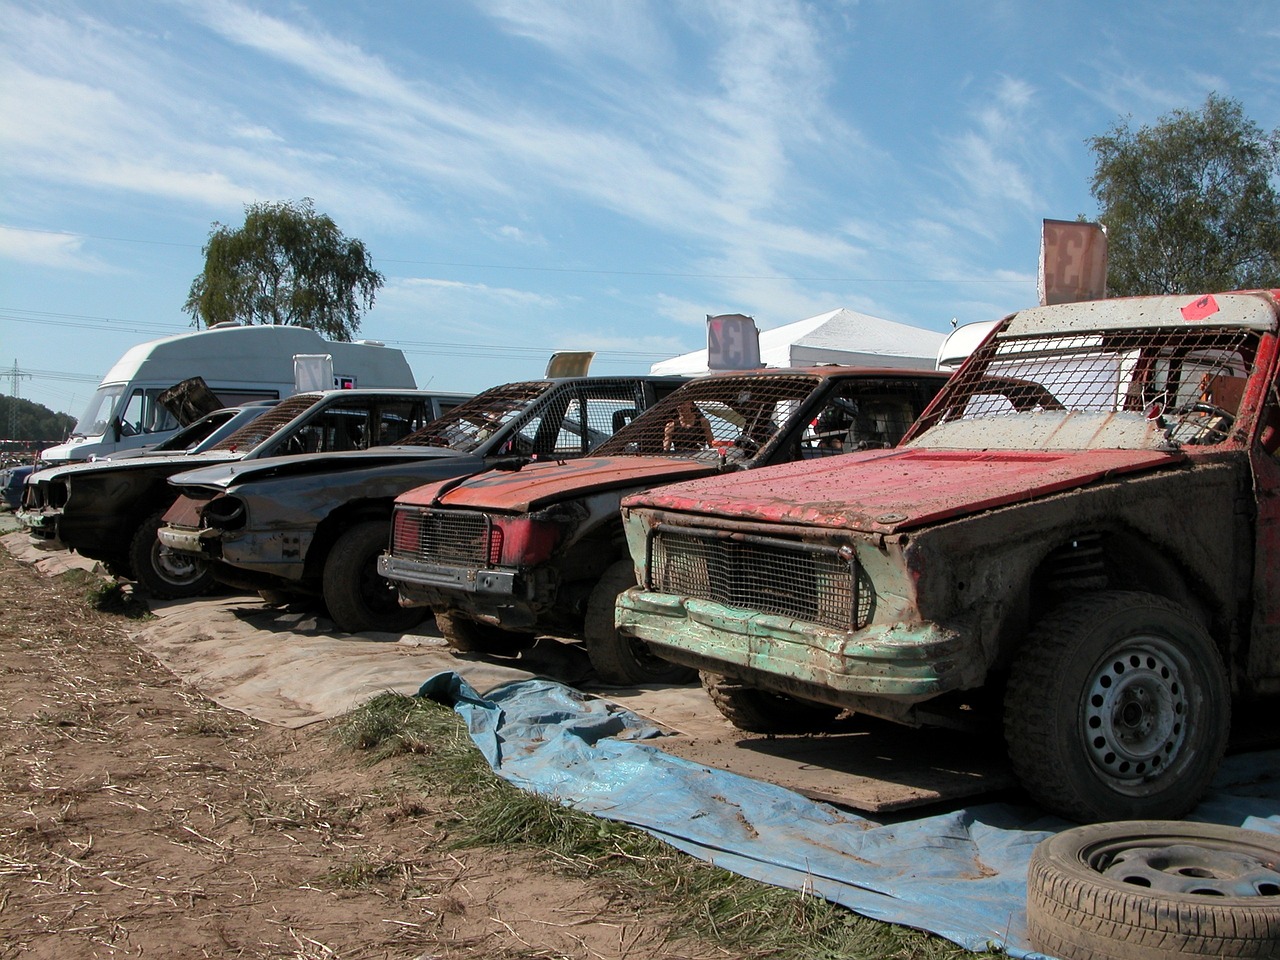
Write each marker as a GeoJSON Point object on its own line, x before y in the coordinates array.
{"type": "Point", "coordinates": [961, 875]}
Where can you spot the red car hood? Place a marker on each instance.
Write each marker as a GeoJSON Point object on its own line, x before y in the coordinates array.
{"type": "Point", "coordinates": [893, 490]}
{"type": "Point", "coordinates": [537, 484]}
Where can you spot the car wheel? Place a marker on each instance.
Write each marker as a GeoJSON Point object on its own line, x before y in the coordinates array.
{"type": "Point", "coordinates": [760, 711]}
{"type": "Point", "coordinates": [1117, 708]}
{"type": "Point", "coordinates": [166, 574]}
{"type": "Point", "coordinates": [465, 635]}
{"type": "Point", "coordinates": [618, 659]}
{"type": "Point", "coordinates": [1149, 890]}
{"type": "Point", "coordinates": [356, 596]}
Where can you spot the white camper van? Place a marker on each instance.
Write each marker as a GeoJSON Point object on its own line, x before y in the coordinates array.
{"type": "Point", "coordinates": [238, 363]}
{"type": "Point", "coordinates": [961, 342]}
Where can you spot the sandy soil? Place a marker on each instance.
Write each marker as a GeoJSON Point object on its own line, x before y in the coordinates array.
{"type": "Point", "coordinates": [139, 819]}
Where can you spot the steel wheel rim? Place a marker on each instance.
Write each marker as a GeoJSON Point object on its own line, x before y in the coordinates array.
{"type": "Point", "coordinates": [177, 568]}
{"type": "Point", "coordinates": [1188, 866]}
{"type": "Point", "coordinates": [1134, 714]}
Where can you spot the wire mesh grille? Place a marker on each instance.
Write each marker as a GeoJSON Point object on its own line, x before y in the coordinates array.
{"type": "Point", "coordinates": [441, 535]}
{"type": "Point", "coordinates": [469, 424]}
{"type": "Point", "coordinates": [790, 579]}
{"type": "Point", "coordinates": [254, 433]}
{"type": "Point", "coordinates": [543, 419]}
{"type": "Point", "coordinates": [743, 417]}
{"type": "Point", "coordinates": [1176, 376]}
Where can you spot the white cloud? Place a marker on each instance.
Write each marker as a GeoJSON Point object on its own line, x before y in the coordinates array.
{"type": "Point", "coordinates": [431, 291]}
{"type": "Point", "coordinates": [38, 248]}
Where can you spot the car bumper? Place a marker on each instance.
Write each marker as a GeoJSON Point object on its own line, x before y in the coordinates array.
{"type": "Point", "coordinates": [41, 526]}
{"type": "Point", "coordinates": [907, 663]}
{"type": "Point", "coordinates": [437, 582]}
{"type": "Point", "coordinates": [277, 553]}
{"type": "Point", "coordinates": [504, 596]}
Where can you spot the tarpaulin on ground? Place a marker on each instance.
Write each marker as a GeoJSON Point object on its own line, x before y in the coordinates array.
{"type": "Point", "coordinates": [961, 875]}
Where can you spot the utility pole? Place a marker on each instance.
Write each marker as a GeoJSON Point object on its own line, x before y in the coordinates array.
{"type": "Point", "coordinates": [14, 375]}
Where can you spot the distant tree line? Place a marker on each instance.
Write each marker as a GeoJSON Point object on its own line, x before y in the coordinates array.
{"type": "Point", "coordinates": [32, 421]}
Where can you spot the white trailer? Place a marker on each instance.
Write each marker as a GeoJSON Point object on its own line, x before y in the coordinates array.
{"type": "Point", "coordinates": [238, 363]}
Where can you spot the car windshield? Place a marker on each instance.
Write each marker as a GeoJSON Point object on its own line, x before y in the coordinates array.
{"type": "Point", "coordinates": [539, 419]}
{"type": "Point", "coordinates": [742, 418]}
{"type": "Point", "coordinates": [1137, 388]}
{"type": "Point", "coordinates": [97, 415]}
{"type": "Point", "coordinates": [467, 426]}
{"type": "Point", "coordinates": [264, 427]}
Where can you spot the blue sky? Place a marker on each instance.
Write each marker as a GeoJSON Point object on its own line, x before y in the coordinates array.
{"type": "Point", "coordinates": [597, 174]}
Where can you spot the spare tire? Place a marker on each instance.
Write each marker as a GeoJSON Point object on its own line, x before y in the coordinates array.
{"type": "Point", "coordinates": [1154, 890]}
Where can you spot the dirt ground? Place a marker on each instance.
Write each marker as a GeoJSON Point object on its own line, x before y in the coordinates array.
{"type": "Point", "coordinates": [138, 819]}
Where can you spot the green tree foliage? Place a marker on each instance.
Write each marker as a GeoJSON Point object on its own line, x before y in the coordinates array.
{"type": "Point", "coordinates": [32, 421]}
{"type": "Point", "coordinates": [286, 265]}
{"type": "Point", "coordinates": [1190, 203]}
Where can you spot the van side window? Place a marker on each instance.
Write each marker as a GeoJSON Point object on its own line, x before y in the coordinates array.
{"type": "Point", "coordinates": [142, 414]}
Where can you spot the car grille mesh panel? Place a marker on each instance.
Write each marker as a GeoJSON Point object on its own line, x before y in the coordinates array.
{"type": "Point", "coordinates": [811, 583]}
{"type": "Point", "coordinates": [442, 535]}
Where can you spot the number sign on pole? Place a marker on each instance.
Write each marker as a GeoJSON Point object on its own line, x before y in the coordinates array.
{"type": "Point", "coordinates": [1073, 262]}
{"type": "Point", "coordinates": [733, 343]}
{"type": "Point", "coordinates": [569, 363]}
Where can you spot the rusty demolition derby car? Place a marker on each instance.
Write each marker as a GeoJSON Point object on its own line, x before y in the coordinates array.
{"type": "Point", "coordinates": [1101, 570]}
{"type": "Point", "coordinates": [539, 549]}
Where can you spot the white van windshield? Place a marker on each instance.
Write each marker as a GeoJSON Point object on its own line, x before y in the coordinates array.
{"type": "Point", "coordinates": [97, 415]}
{"type": "Point", "coordinates": [141, 414]}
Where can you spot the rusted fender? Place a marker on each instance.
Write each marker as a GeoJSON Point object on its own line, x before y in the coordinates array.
{"type": "Point", "coordinates": [885, 492]}
{"type": "Point", "coordinates": [537, 484]}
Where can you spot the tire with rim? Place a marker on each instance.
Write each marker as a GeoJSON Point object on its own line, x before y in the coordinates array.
{"type": "Point", "coordinates": [760, 711]}
{"type": "Point", "coordinates": [356, 596]}
{"type": "Point", "coordinates": [1117, 708]}
{"type": "Point", "coordinates": [465, 635]}
{"type": "Point", "coordinates": [1150, 890]}
{"type": "Point", "coordinates": [163, 573]}
{"type": "Point", "coordinates": [618, 659]}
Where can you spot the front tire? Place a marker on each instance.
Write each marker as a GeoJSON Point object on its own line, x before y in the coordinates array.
{"type": "Point", "coordinates": [357, 597]}
{"type": "Point", "coordinates": [760, 711]}
{"type": "Point", "coordinates": [164, 573]}
{"type": "Point", "coordinates": [1117, 708]}
{"type": "Point", "coordinates": [617, 659]}
{"type": "Point", "coordinates": [1148, 890]}
{"type": "Point", "coordinates": [465, 635]}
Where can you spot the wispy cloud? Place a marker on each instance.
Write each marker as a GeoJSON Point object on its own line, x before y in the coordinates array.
{"type": "Point", "coordinates": [700, 164]}
{"type": "Point", "coordinates": [38, 248]}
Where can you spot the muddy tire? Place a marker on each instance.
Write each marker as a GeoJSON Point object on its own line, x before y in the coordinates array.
{"type": "Point", "coordinates": [161, 572]}
{"type": "Point", "coordinates": [465, 635]}
{"type": "Point", "coordinates": [617, 659]}
{"type": "Point", "coordinates": [356, 596]}
{"type": "Point", "coordinates": [1117, 708]}
{"type": "Point", "coordinates": [759, 711]}
{"type": "Point", "coordinates": [1150, 890]}
{"type": "Point", "coordinates": [276, 598]}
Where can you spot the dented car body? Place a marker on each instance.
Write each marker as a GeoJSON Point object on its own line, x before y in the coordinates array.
{"type": "Point", "coordinates": [505, 554]}
{"type": "Point", "coordinates": [1099, 572]}
{"type": "Point", "coordinates": [314, 525]}
{"type": "Point", "coordinates": [109, 510]}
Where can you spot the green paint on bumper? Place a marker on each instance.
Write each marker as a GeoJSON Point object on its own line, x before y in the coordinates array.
{"type": "Point", "coordinates": [906, 662]}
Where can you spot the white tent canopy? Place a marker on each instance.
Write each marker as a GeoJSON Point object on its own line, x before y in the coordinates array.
{"type": "Point", "coordinates": [841, 336]}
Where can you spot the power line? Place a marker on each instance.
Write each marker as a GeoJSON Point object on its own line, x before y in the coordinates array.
{"type": "Point", "coordinates": [597, 271]}
{"type": "Point", "coordinates": [438, 347]}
